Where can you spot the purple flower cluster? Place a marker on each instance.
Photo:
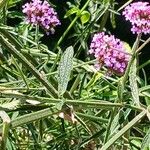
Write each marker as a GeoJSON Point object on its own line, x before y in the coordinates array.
{"type": "Point", "coordinates": [42, 14]}
{"type": "Point", "coordinates": [109, 52]}
{"type": "Point", "coordinates": [138, 14]}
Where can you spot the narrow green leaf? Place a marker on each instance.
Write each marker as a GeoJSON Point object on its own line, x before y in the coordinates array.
{"type": "Point", "coordinates": [20, 71]}
{"type": "Point", "coordinates": [146, 141]}
{"type": "Point", "coordinates": [112, 17]}
{"type": "Point", "coordinates": [148, 112]}
{"type": "Point", "coordinates": [115, 125]}
{"type": "Point", "coordinates": [71, 11]}
{"type": "Point", "coordinates": [120, 90]}
{"type": "Point", "coordinates": [10, 105]}
{"type": "Point", "coordinates": [83, 124]}
{"type": "Point", "coordinates": [6, 125]}
{"type": "Point", "coordinates": [13, 38]}
{"type": "Point", "coordinates": [113, 22]}
{"type": "Point", "coordinates": [144, 88]}
{"type": "Point", "coordinates": [13, 3]}
{"type": "Point", "coordinates": [64, 70]}
{"type": "Point", "coordinates": [94, 79]}
{"type": "Point", "coordinates": [30, 118]}
{"type": "Point", "coordinates": [133, 83]}
{"type": "Point", "coordinates": [2, 3]}
{"type": "Point", "coordinates": [123, 130]}
{"type": "Point", "coordinates": [13, 50]}
{"type": "Point", "coordinates": [126, 4]}
{"type": "Point", "coordinates": [85, 17]}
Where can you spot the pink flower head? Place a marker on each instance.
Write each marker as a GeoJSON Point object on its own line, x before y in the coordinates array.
{"type": "Point", "coordinates": [138, 14]}
{"type": "Point", "coordinates": [42, 14]}
{"type": "Point", "coordinates": [109, 52]}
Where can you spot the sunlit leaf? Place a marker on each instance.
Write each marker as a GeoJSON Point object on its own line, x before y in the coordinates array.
{"type": "Point", "coordinates": [146, 141]}
{"type": "Point", "coordinates": [3, 3]}
{"type": "Point", "coordinates": [64, 70]}
{"type": "Point", "coordinates": [133, 83]}
{"type": "Point", "coordinates": [85, 17]}
{"type": "Point", "coordinates": [71, 11]}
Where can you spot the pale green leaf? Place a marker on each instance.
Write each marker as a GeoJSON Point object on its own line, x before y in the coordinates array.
{"type": "Point", "coordinates": [133, 83]}
{"type": "Point", "coordinates": [85, 17]}
{"type": "Point", "coordinates": [127, 47]}
{"type": "Point", "coordinates": [2, 3]}
{"type": "Point", "coordinates": [123, 130]}
{"type": "Point", "coordinates": [64, 70]}
{"type": "Point", "coordinates": [71, 11]}
{"type": "Point", "coordinates": [115, 125]}
{"type": "Point", "coordinates": [146, 141]}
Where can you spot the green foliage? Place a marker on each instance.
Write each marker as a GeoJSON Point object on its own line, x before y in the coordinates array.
{"type": "Point", "coordinates": [85, 17]}
{"type": "Point", "coordinates": [51, 95]}
{"type": "Point", "coordinates": [64, 70]}
{"type": "Point", "coordinates": [146, 141]}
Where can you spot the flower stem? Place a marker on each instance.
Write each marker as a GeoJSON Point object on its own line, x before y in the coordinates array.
{"type": "Point", "coordinates": [143, 45]}
{"type": "Point", "coordinates": [71, 25]}
{"type": "Point", "coordinates": [37, 35]}
{"type": "Point", "coordinates": [5, 130]}
{"type": "Point", "coordinates": [76, 102]}
{"type": "Point", "coordinates": [134, 49]}
{"type": "Point", "coordinates": [12, 49]}
{"type": "Point", "coordinates": [127, 127]}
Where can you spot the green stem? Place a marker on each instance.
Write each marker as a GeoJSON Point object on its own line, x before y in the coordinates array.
{"type": "Point", "coordinates": [109, 125]}
{"type": "Point", "coordinates": [56, 60]}
{"type": "Point", "coordinates": [143, 65]}
{"type": "Point", "coordinates": [90, 117]}
{"type": "Point", "coordinates": [31, 117]}
{"type": "Point", "coordinates": [49, 74]}
{"type": "Point", "coordinates": [6, 125]}
{"type": "Point", "coordinates": [76, 83]}
{"type": "Point", "coordinates": [135, 46]}
{"type": "Point", "coordinates": [21, 88]}
{"type": "Point", "coordinates": [77, 102]}
{"type": "Point", "coordinates": [104, 18]}
{"type": "Point", "coordinates": [143, 45]}
{"type": "Point", "coordinates": [5, 3]}
{"type": "Point", "coordinates": [32, 78]}
{"type": "Point", "coordinates": [126, 4]}
{"type": "Point", "coordinates": [70, 26]}
{"type": "Point", "coordinates": [27, 64]}
{"type": "Point", "coordinates": [21, 72]}
{"type": "Point", "coordinates": [123, 130]}
{"type": "Point", "coordinates": [37, 35]}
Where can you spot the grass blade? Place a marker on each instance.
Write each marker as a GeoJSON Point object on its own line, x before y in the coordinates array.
{"type": "Point", "coordinates": [124, 130]}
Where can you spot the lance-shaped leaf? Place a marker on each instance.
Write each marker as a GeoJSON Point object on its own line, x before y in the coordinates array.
{"type": "Point", "coordinates": [133, 83]}
{"type": "Point", "coordinates": [5, 130]}
{"type": "Point", "coordinates": [64, 70]}
{"type": "Point", "coordinates": [146, 141]}
{"type": "Point", "coordinates": [85, 17]}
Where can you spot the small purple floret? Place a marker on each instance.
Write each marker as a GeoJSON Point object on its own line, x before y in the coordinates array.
{"type": "Point", "coordinates": [109, 52]}
{"type": "Point", "coordinates": [42, 14]}
{"type": "Point", "coordinates": [138, 14]}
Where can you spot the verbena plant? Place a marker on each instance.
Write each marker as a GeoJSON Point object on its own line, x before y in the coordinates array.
{"type": "Point", "coordinates": [81, 89]}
